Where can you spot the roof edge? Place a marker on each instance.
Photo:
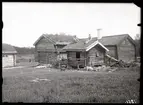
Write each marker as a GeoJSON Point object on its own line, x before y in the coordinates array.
{"type": "Point", "coordinates": [94, 44]}
{"type": "Point", "coordinates": [40, 39]}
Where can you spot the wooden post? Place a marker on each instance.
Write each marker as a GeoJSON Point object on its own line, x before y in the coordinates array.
{"type": "Point", "coordinates": [46, 58]}
{"type": "Point", "coordinates": [14, 60]}
{"type": "Point", "coordinates": [67, 61]}
{"type": "Point", "coordinates": [58, 56]}
{"type": "Point", "coordinates": [85, 58]}
{"type": "Point", "coordinates": [78, 64]}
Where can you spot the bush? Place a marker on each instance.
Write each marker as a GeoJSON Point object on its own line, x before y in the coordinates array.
{"type": "Point", "coordinates": [55, 64]}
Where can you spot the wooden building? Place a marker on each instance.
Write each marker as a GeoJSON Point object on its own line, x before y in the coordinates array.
{"type": "Point", "coordinates": [121, 47]}
{"type": "Point", "coordinates": [48, 47]}
{"type": "Point", "coordinates": [8, 55]}
{"type": "Point", "coordinates": [86, 52]}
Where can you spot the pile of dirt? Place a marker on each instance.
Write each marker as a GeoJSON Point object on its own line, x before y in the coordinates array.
{"type": "Point", "coordinates": [106, 69]}
{"type": "Point", "coordinates": [102, 68]}
{"type": "Point", "coordinates": [43, 66]}
{"type": "Point", "coordinates": [125, 64]}
{"type": "Point", "coordinates": [38, 80]}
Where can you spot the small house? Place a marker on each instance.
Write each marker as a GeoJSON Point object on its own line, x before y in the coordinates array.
{"type": "Point", "coordinates": [86, 52]}
{"type": "Point", "coordinates": [8, 55]}
{"type": "Point", "coordinates": [48, 47]}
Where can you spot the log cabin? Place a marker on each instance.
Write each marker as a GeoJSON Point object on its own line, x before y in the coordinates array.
{"type": "Point", "coordinates": [8, 55]}
{"type": "Point", "coordinates": [48, 47]}
{"type": "Point", "coordinates": [121, 47]}
{"type": "Point", "coordinates": [86, 52]}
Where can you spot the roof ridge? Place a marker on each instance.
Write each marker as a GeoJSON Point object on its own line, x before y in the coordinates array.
{"type": "Point", "coordinates": [116, 35]}
{"type": "Point", "coordinates": [60, 37]}
{"type": "Point", "coordinates": [47, 35]}
{"type": "Point", "coordinates": [108, 36]}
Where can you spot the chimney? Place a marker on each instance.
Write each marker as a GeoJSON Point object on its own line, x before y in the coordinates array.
{"type": "Point", "coordinates": [89, 37]}
{"type": "Point", "coordinates": [75, 38]}
{"type": "Point", "coordinates": [98, 33]}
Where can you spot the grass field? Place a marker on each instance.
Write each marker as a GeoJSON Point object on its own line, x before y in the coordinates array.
{"type": "Point", "coordinates": [70, 86]}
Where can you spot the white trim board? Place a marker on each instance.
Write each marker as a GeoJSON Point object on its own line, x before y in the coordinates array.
{"type": "Point", "coordinates": [94, 44]}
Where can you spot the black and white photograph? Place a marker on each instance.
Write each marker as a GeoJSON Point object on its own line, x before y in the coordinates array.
{"type": "Point", "coordinates": [71, 52]}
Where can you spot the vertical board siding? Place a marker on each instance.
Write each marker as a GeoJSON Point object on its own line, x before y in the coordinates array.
{"type": "Point", "coordinates": [8, 61]}
{"type": "Point", "coordinates": [46, 57]}
{"type": "Point", "coordinates": [41, 53]}
{"type": "Point", "coordinates": [72, 61]}
{"type": "Point", "coordinates": [112, 51]}
{"type": "Point", "coordinates": [92, 58]}
{"type": "Point", "coordinates": [126, 51]}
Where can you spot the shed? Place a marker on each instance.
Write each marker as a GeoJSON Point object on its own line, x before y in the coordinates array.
{"type": "Point", "coordinates": [8, 55]}
{"type": "Point", "coordinates": [121, 47]}
{"type": "Point", "coordinates": [48, 47]}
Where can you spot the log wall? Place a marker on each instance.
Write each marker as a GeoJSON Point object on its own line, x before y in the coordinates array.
{"type": "Point", "coordinates": [126, 51]}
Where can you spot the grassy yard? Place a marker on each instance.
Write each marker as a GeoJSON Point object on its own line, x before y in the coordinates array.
{"type": "Point", "coordinates": [70, 86]}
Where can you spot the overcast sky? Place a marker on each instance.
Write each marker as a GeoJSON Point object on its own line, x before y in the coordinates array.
{"type": "Point", "coordinates": [24, 23]}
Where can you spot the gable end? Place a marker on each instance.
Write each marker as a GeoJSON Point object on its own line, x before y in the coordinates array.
{"type": "Point", "coordinates": [129, 39]}
{"type": "Point", "coordinates": [40, 38]}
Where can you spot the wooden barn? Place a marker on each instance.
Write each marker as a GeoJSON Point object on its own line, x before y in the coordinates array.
{"type": "Point", "coordinates": [48, 47]}
{"type": "Point", "coordinates": [121, 47]}
{"type": "Point", "coordinates": [86, 52]}
{"type": "Point", "coordinates": [8, 55]}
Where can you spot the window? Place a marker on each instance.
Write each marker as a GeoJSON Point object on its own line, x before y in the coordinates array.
{"type": "Point", "coordinates": [78, 55]}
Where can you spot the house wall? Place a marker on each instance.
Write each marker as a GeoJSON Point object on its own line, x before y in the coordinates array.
{"type": "Point", "coordinates": [90, 57]}
{"type": "Point", "coordinates": [72, 61]}
{"type": "Point", "coordinates": [40, 50]}
{"type": "Point", "coordinates": [45, 51]}
{"type": "Point", "coordinates": [126, 51]}
{"type": "Point", "coordinates": [8, 60]}
{"type": "Point", "coordinates": [112, 51]}
{"type": "Point", "coordinates": [45, 57]}
{"type": "Point", "coordinates": [95, 56]}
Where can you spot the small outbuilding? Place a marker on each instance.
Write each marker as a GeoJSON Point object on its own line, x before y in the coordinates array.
{"type": "Point", "coordinates": [8, 55]}
{"type": "Point", "coordinates": [121, 47]}
{"type": "Point", "coordinates": [48, 47]}
{"type": "Point", "coordinates": [86, 52]}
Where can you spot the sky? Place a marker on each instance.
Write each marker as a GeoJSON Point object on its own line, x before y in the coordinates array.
{"type": "Point", "coordinates": [24, 23]}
